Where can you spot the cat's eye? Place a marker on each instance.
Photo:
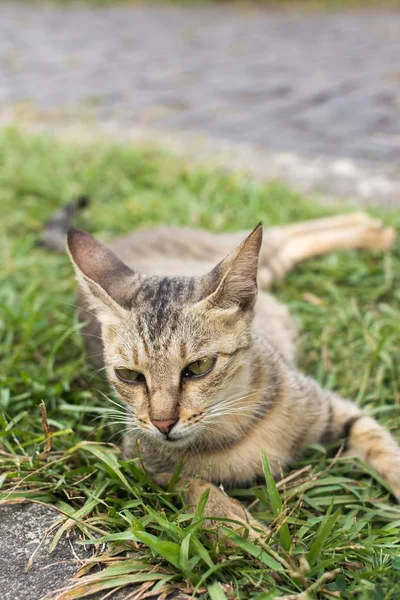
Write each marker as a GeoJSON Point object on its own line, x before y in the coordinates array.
{"type": "Point", "coordinates": [199, 367]}
{"type": "Point", "coordinates": [130, 376]}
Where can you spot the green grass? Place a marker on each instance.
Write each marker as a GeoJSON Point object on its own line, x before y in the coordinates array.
{"type": "Point", "coordinates": [335, 527]}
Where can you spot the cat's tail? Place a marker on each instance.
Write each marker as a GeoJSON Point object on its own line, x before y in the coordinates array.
{"type": "Point", "coordinates": [55, 230]}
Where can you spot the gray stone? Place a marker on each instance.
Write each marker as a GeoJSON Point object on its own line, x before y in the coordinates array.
{"type": "Point", "coordinates": [22, 531]}
{"type": "Point", "coordinates": [22, 528]}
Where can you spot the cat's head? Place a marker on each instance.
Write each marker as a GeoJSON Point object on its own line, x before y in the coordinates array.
{"type": "Point", "coordinates": [175, 349]}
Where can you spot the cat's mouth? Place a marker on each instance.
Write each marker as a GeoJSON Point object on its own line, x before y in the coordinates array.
{"type": "Point", "coordinates": [180, 436]}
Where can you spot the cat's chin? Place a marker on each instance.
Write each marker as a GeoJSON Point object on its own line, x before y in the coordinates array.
{"type": "Point", "coordinates": [179, 442]}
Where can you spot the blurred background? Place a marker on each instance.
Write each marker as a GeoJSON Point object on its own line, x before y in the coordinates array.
{"type": "Point", "coordinates": [305, 91]}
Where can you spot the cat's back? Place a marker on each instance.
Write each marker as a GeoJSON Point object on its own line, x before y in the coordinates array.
{"type": "Point", "coordinates": [173, 251]}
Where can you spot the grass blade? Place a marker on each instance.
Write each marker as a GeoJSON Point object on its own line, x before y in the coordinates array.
{"type": "Point", "coordinates": [253, 550]}
{"type": "Point", "coordinates": [216, 592]}
{"type": "Point", "coordinates": [322, 534]}
{"type": "Point", "coordinates": [276, 502]}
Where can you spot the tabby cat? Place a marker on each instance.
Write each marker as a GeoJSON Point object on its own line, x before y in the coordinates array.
{"type": "Point", "coordinates": [205, 363]}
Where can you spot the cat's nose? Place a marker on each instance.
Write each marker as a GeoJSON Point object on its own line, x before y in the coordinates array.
{"type": "Point", "coordinates": [165, 426]}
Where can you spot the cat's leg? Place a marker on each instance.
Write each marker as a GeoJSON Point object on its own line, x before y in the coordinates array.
{"type": "Point", "coordinates": [323, 224]}
{"type": "Point", "coordinates": [219, 505]}
{"type": "Point", "coordinates": [365, 439]}
{"type": "Point", "coordinates": [285, 247]}
{"type": "Point", "coordinates": [322, 416]}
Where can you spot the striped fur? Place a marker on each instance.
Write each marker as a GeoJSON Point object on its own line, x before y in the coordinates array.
{"type": "Point", "coordinates": [167, 305]}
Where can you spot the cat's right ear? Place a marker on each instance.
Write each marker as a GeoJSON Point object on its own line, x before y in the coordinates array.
{"type": "Point", "coordinates": [232, 285]}
{"type": "Point", "coordinates": [105, 280]}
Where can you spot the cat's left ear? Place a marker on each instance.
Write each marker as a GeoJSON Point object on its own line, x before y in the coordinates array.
{"type": "Point", "coordinates": [233, 282]}
{"type": "Point", "coordinates": [105, 280]}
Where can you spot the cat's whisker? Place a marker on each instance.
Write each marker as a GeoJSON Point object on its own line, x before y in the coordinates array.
{"type": "Point", "coordinates": [249, 408]}
{"type": "Point", "coordinates": [80, 307]}
{"type": "Point", "coordinates": [231, 413]}
{"type": "Point", "coordinates": [99, 429]}
{"type": "Point", "coordinates": [231, 402]}
{"type": "Point", "coordinates": [111, 415]}
{"type": "Point", "coordinates": [123, 432]}
{"type": "Point", "coordinates": [93, 335]}
{"type": "Point", "coordinates": [240, 399]}
{"type": "Point", "coordinates": [239, 395]}
{"type": "Point", "coordinates": [97, 371]}
{"type": "Point", "coordinates": [109, 423]}
{"type": "Point", "coordinates": [124, 407]}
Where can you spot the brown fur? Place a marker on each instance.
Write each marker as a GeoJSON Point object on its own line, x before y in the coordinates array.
{"type": "Point", "coordinates": [167, 306]}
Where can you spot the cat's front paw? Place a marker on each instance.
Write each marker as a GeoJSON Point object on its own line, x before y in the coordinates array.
{"type": "Point", "coordinates": [162, 479]}
{"type": "Point", "coordinates": [221, 506]}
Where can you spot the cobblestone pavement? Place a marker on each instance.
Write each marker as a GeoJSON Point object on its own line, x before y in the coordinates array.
{"type": "Point", "coordinates": [316, 84]}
